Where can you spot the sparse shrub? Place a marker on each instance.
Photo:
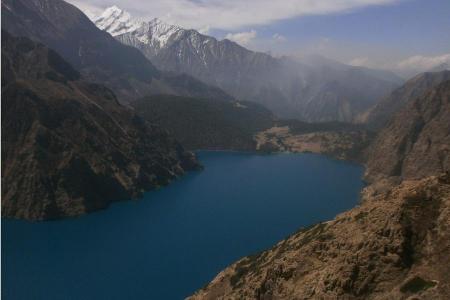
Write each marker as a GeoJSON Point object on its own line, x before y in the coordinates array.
{"type": "Point", "coordinates": [416, 285]}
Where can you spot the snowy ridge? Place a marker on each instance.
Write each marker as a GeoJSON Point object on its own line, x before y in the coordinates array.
{"type": "Point", "coordinates": [116, 21]}
{"type": "Point", "coordinates": [154, 32]}
{"type": "Point", "coordinates": [157, 33]}
{"type": "Point", "coordinates": [153, 36]}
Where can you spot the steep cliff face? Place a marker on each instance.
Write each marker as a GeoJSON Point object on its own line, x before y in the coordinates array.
{"type": "Point", "coordinates": [396, 245]}
{"type": "Point", "coordinates": [68, 146]}
{"type": "Point", "coordinates": [96, 54]}
{"type": "Point", "coordinates": [377, 117]}
{"type": "Point", "coordinates": [416, 142]}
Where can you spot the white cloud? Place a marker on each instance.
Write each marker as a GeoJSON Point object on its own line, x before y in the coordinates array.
{"type": "Point", "coordinates": [230, 14]}
{"type": "Point", "coordinates": [279, 38]}
{"type": "Point", "coordinates": [89, 9]}
{"type": "Point", "coordinates": [416, 63]}
{"type": "Point", "coordinates": [242, 38]}
{"type": "Point", "coordinates": [424, 63]}
{"type": "Point", "coordinates": [360, 62]}
{"type": "Point", "coordinates": [204, 30]}
{"type": "Point", "coordinates": [408, 66]}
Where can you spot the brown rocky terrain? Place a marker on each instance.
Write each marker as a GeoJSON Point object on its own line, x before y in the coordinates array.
{"type": "Point", "coordinates": [395, 245]}
{"type": "Point", "coordinates": [68, 146]}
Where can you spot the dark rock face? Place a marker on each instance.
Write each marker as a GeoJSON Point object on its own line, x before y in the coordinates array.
{"type": "Point", "coordinates": [383, 111]}
{"type": "Point", "coordinates": [97, 55]}
{"type": "Point", "coordinates": [200, 123]}
{"type": "Point", "coordinates": [68, 146]}
{"type": "Point", "coordinates": [416, 142]}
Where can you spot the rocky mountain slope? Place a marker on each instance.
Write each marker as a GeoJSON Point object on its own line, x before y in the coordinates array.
{"type": "Point", "coordinates": [93, 52]}
{"type": "Point", "coordinates": [68, 146]}
{"type": "Point", "coordinates": [416, 142]}
{"type": "Point", "coordinates": [200, 123]}
{"type": "Point", "coordinates": [377, 117]}
{"type": "Point", "coordinates": [394, 245]}
{"type": "Point", "coordinates": [316, 90]}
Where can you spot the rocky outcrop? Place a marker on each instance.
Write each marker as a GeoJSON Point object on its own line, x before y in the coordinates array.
{"type": "Point", "coordinates": [96, 54]}
{"type": "Point", "coordinates": [395, 245]}
{"type": "Point", "coordinates": [377, 117]}
{"type": "Point", "coordinates": [416, 142]}
{"type": "Point", "coordinates": [68, 146]}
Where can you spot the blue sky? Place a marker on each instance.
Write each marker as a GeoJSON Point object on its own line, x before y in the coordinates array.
{"type": "Point", "coordinates": [384, 33]}
{"type": "Point", "coordinates": [381, 33]}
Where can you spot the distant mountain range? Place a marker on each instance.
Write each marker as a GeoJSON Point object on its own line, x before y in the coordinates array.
{"type": "Point", "coordinates": [314, 89]}
{"type": "Point", "coordinates": [98, 56]}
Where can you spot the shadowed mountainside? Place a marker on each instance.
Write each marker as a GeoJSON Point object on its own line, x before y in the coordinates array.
{"type": "Point", "coordinates": [68, 146]}
{"type": "Point", "coordinates": [377, 117]}
{"type": "Point", "coordinates": [416, 142]}
{"type": "Point", "coordinates": [200, 123]}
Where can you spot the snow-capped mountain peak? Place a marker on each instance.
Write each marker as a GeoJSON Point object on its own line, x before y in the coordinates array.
{"type": "Point", "coordinates": [157, 32]}
{"type": "Point", "coordinates": [116, 21]}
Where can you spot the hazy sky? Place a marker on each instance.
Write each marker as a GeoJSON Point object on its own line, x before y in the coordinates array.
{"type": "Point", "coordinates": [403, 35]}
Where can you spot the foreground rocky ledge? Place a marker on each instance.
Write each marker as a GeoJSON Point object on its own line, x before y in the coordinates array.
{"type": "Point", "coordinates": [395, 245]}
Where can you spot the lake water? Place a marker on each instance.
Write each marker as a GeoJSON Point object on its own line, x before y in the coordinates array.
{"type": "Point", "coordinates": [176, 239]}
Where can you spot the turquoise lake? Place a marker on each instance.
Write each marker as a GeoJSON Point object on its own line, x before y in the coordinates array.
{"type": "Point", "coordinates": [176, 239]}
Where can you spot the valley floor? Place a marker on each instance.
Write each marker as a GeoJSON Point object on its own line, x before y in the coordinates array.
{"type": "Point", "coordinates": [345, 145]}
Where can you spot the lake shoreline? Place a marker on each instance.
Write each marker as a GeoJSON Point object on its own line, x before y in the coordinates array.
{"type": "Point", "coordinates": [200, 223]}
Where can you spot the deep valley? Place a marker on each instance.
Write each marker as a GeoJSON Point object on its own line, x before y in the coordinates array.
{"type": "Point", "coordinates": [146, 159]}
